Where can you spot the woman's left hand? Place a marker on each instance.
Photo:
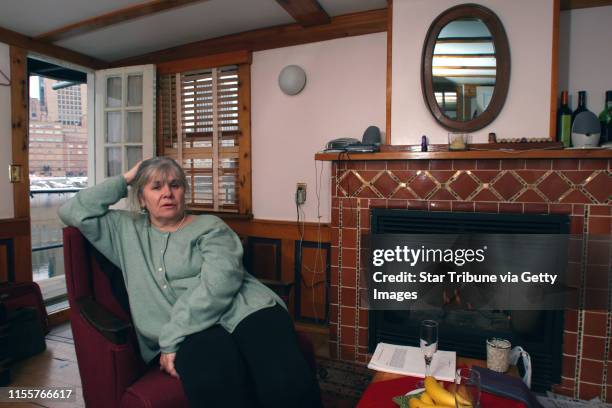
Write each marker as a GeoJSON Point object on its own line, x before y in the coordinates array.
{"type": "Point", "coordinates": [166, 362]}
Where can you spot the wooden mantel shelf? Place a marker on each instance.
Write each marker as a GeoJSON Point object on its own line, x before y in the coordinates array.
{"type": "Point", "coordinates": [471, 155]}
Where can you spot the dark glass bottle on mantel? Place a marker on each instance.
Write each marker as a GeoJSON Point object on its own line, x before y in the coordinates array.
{"type": "Point", "coordinates": [605, 118]}
{"type": "Point", "coordinates": [564, 121]}
{"type": "Point", "coordinates": [581, 105]}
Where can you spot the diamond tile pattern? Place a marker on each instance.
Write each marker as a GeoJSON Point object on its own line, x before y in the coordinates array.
{"type": "Point", "coordinates": [367, 192]}
{"type": "Point", "coordinates": [530, 196]}
{"type": "Point", "coordinates": [385, 184]}
{"type": "Point", "coordinates": [600, 187]}
{"type": "Point", "coordinates": [507, 185]}
{"type": "Point", "coordinates": [442, 176]}
{"type": "Point", "coordinates": [553, 187]}
{"type": "Point", "coordinates": [486, 176]}
{"type": "Point", "coordinates": [531, 176]}
{"type": "Point", "coordinates": [422, 184]}
{"type": "Point", "coordinates": [464, 185]}
{"type": "Point", "coordinates": [575, 197]}
{"type": "Point", "coordinates": [442, 194]}
{"type": "Point", "coordinates": [404, 176]}
{"type": "Point", "coordinates": [404, 194]}
{"type": "Point", "coordinates": [485, 195]}
{"type": "Point", "coordinates": [525, 186]}
{"type": "Point", "coordinates": [577, 177]}
{"type": "Point", "coordinates": [349, 183]}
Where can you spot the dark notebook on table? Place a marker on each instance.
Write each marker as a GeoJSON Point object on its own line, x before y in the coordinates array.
{"type": "Point", "coordinates": [506, 386]}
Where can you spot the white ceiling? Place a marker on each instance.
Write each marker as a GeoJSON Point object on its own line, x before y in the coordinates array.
{"type": "Point", "coordinates": [199, 21]}
{"type": "Point", "coordinates": [339, 7]}
{"type": "Point", "coordinates": [35, 17]}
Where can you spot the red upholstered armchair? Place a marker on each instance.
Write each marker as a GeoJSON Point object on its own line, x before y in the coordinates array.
{"type": "Point", "coordinates": [112, 371]}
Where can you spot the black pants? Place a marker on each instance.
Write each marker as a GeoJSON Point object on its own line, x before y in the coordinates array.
{"type": "Point", "coordinates": [258, 365]}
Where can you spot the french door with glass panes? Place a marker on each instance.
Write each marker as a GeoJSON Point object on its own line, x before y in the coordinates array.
{"type": "Point", "coordinates": [125, 119]}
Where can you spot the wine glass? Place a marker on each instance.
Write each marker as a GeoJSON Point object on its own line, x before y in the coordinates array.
{"type": "Point", "coordinates": [429, 342]}
{"type": "Point", "coordinates": [467, 388]}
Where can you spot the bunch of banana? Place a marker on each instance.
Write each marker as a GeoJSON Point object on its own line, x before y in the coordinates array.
{"type": "Point", "coordinates": [435, 396]}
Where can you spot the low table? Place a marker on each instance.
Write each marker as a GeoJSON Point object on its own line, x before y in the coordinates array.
{"type": "Point", "coordinates": [385, 386]}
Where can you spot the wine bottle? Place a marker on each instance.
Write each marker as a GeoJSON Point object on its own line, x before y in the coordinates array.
{"type": "Point", "coordinates": [605, 118]}
{"type": "Point", "coordinates": [581, 105]}
{"type": "Point", "coordinates": [564, 122]}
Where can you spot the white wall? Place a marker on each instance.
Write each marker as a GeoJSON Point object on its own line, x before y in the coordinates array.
{"type": "Point", "coordinates": [6, 199]}
{"type": "Point", "coordinates": [345, 93]}
{"type": "Point", "coordinates": [526, 113]}
{"type": "Point", "coordinates": [585, 57]}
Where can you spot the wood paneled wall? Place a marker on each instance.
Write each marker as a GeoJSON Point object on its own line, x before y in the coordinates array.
{"type": "Point", "coordinates": [20, 130]}
{"type": "Point", "coordinates": [15, 250]}
{"type": "Point", "coordinates": [7, 260]}
{"type": "Point", "coordinates": [285, 251]}
{"type": "Point", "coordinates": [15, 232]}
{"type": "Point", "coordinates": [312, 280]}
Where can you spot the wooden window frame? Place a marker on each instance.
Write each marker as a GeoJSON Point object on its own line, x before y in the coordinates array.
{"type": "Point", "coordinates": [243, 60]}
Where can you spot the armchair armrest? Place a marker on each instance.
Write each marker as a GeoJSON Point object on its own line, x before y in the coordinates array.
{"type": "Point", "coordinates": [107, 324]}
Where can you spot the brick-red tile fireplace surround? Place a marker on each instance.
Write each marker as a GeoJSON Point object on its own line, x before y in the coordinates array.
{"type": "Point", "coordinates": [578, 187]}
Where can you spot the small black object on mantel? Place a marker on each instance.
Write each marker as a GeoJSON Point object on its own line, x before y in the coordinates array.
{"type": "Point", "coordinates": [423, 143]}
{"type": "Point", "coordinates": [371, 136]}
{"type": "Point", "coordinates": [492, 137]}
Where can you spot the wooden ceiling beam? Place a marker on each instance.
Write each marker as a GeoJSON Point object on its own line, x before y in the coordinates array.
{"type": "Point", "coordinates": [578, 4]}
{"type": "Point", "coordinates": [306, 13]}
{"type": "Point", "coordinates": [30, 44]}
{"type": "Point", "coordinates": [367, 22]}
{"type": "Point", "coordinates": [114, 17]}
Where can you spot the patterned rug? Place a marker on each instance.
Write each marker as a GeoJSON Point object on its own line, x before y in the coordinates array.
{"type": "Point", "coordinates": [342, 379]}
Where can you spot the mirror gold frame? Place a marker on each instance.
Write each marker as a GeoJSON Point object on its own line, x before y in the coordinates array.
{"type": "Point", "coordinates": [502, 55]}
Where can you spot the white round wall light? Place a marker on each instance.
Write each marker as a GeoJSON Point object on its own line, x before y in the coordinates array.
{"type": "Point", "coordinates": [292, 79]}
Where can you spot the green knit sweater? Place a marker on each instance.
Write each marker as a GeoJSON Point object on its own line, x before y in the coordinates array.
{"type": "Point", "coordinates": [179, 282]}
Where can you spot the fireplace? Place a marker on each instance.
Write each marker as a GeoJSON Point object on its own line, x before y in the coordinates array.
{"type": "Point", "coordinates": [462, 330]}
{"type": "Point", "coordinates": [568, 183]}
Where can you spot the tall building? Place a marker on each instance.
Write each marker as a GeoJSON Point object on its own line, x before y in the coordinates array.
{"type": "Point", "coordinates": [58, 130]}
{"type": "Point", "coordinates": [69, 106]}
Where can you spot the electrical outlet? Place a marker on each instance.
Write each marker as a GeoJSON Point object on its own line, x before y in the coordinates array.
{"type": "Point", "coordinates": [15, 173]}
{"type": "Point", "coordinates": [300, 193]}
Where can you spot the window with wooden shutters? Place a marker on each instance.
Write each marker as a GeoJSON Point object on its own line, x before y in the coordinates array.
{"type": "Point", "coordinates": [204, 124]}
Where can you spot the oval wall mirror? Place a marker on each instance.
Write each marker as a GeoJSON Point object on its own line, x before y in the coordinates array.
{"type": "Point", "coordinates": [465, 69]}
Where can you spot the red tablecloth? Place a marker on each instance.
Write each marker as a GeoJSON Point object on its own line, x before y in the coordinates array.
{"type": "Point", "coordinates": [380, 394]}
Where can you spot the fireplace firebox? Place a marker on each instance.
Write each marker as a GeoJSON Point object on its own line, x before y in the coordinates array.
{"type": "Point", "coordinates": [463, 330]}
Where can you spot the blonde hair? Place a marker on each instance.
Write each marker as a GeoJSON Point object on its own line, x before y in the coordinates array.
{"type": "Point", "coordinates": [165, 166]}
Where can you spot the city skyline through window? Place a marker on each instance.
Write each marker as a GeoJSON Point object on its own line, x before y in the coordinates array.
{"type": "Point", "coordinates": [58, 165]}
{"type": "Point", "coordinates": [58, 129]}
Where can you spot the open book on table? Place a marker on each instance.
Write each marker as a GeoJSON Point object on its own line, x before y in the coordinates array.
{"type": "Point", "coordinates": [409, 360]}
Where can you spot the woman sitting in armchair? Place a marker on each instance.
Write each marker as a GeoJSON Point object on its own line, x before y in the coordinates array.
{"type": "Point", "coordinates": [196, 310]}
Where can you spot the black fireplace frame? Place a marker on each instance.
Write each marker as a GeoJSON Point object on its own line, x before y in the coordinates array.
{"type": "Point", "coordinates": [546, 355]}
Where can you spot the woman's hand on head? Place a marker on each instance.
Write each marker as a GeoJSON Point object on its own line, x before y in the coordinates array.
{"type": "Point", "coordinates": [131, 173]}
{"type": "Point", "coordinates": [166, 363]}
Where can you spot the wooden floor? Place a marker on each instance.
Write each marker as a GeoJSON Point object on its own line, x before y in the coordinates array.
{"type": "Point", "coordinates": [55, 367]}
